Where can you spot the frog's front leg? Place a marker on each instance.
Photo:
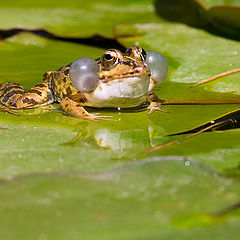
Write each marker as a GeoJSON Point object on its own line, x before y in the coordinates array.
{"type": "Point", "coordinates": [13, 96]}
{"type": "Point", "coordinates": [72, 106]}
{"type": "Point", "coordinates": [155, 104]}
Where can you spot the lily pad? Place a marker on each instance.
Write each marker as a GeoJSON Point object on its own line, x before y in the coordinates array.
{"type": "Point", "coordinates": [112, 142]}
{"type": "Point", "coordinates": [27, 56]}
{"type": "Point", "coordinates": [74, 18]}
{"type": "Point", "coordinates": [212, 3]}
{"type": "Point", "coordinates": [67, 178]}
{"type": "Point", "coordinates": [139, 201]}
{"type": "Point", "coordinates": [226, 18]}
{"type": "Point", "coordinates": [193, 55]}
{"type": "Point", "coordinates": [219, 17]}
{"type": "Point", "coordinates": [190, 12]}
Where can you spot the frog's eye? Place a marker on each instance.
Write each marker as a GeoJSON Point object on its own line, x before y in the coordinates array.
{"type": "Point", "coordinates": [83, 74]}
{"type": "Point", "coordinates": [110, 59]}
{"type": "Point", "coordinates": [136, 53]}
{"type": "Point", "coordinates": [157, 64]}
{"type": "Point", "coordinates": [128, 52]}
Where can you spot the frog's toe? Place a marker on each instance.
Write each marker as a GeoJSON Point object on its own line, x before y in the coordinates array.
{"type": "Point", "coordinates": [96, 117]}
{"type": "Point", "coordinates": [72, 108]}
{"type": "Point", "coordinates": [155, 107]}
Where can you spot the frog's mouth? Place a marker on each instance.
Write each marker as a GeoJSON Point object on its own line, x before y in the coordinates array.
{"type": "Point", "coordinates": [121, 78]}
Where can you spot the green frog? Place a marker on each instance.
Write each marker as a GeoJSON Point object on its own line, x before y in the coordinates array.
{"type": "Point", "coordinates": [115, 80]}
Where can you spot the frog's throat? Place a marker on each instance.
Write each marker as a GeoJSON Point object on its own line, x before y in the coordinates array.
{"type": "Point", "coordinates": [119, 93]}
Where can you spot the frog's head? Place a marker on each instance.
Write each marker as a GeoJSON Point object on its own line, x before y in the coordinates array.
{"type": "Point", "coordinates": [115, 65]}
{"type": "Point", "coordinates": [117, 76]}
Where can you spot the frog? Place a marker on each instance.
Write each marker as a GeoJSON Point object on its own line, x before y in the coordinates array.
{"type": "Point", "coordinates": [115, 80]}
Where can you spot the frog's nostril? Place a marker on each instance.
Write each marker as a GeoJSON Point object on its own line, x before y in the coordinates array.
{"type": "Point", "coordinates": [84, 74]}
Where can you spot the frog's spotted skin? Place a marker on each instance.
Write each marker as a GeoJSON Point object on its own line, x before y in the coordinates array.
{"type": "Point", "coordinates": [123, 81]}
{"type": "Point", "coordinates": [14, 96]}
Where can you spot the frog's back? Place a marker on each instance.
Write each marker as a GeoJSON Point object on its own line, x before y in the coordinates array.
{"type": "Point", "coordinates": [60, 83]}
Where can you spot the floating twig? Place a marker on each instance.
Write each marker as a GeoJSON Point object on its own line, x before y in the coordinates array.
{"type": "Point", "coordinates": [216, 77]}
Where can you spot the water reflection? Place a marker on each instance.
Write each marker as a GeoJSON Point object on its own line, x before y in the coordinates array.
{"type": "Point", "coordinates": [126, 135]}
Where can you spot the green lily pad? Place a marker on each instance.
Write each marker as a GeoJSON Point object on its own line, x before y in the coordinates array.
{"type": "Point", "coordinates": [74, 144]}
{"type": "Point", "coordinates": [67, 178]}
{"type": "Point", "coordinates": [218, 17]}
{"type": "Point", "coordinates": [212, 3]}
{"type": "Point", "coordinates": [193, 55]}
{"type": "Point", "coordinates": [139, 201]}
{"type": "Point", "coordinates": [25, 57]}
{"type": "Point", "coordinates": [226, 18]}
{"type": "Point", "coordinates": [190, 12]}
{"type": "Point", "coordinates": [74, 18]}
{"type": "Point", "coordinates": [112, 142]}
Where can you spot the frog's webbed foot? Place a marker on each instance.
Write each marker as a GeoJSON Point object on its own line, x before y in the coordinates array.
{"type": "Point", "coordinates": [155, 103]}
{"type": "Point", "coordinates": [71, 106]}
{"type": "Point", "coordinates": [96, 117]}
{"type": "Point", "coordinates": [155, 107]}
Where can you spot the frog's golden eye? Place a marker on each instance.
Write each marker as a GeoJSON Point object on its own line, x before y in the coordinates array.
{"type": "Point", "coordinates": [110, 56]}
{"type": "Point", "coordinates": [136, 53]}
{"type": "Point", "coordinates": [109, 59]}
{"type": "Point", "coordinates": [128, 52]}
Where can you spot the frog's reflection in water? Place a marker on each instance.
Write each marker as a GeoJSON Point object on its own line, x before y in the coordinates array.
{"type": "Point", "coordinates": [127, 135]}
